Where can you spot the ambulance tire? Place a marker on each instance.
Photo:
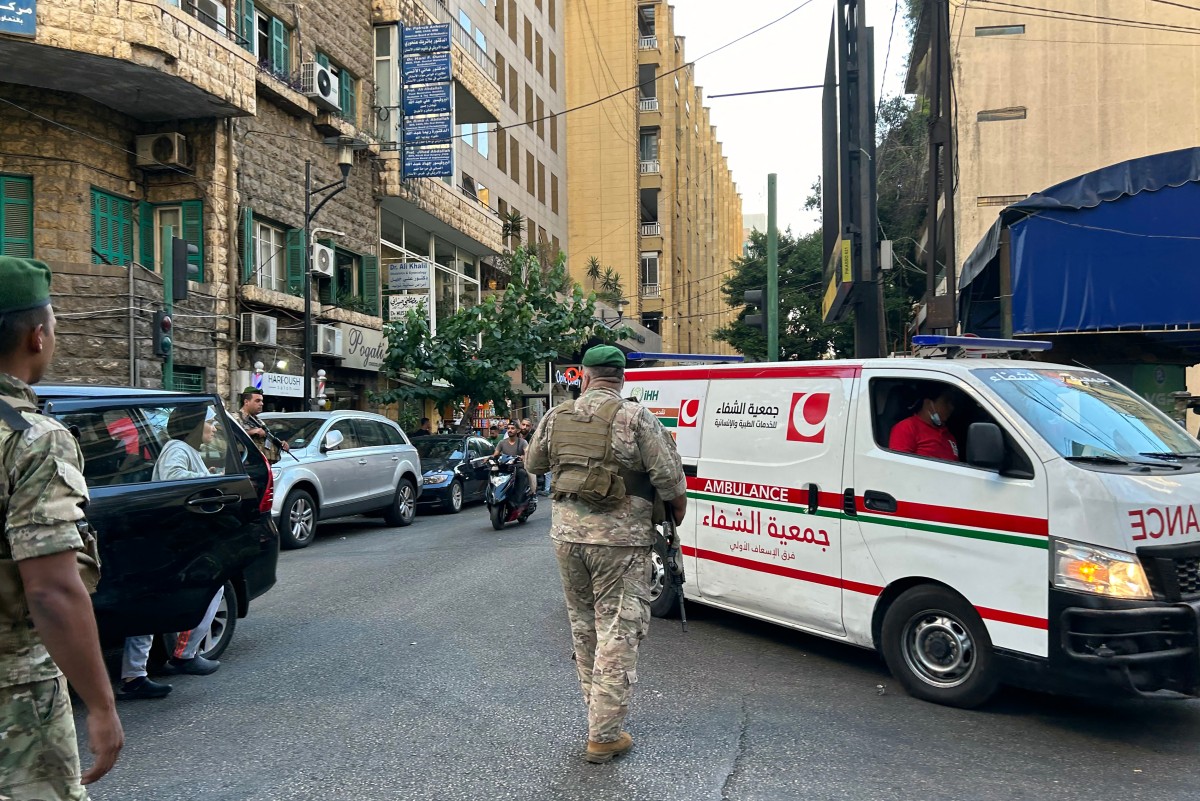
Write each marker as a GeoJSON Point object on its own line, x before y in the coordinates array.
{"type": "Point", "coordinates": [663, 600]}
{"type": "Point", "coordinates": [938, 648]}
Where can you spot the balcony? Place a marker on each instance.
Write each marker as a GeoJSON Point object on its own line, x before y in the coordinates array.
{"type": "Point", "coordinates": [650, 167]}
{"type": "Point", "coordinates": [651, 229]}
{"type": "Point", "coordinates": [648, 104]}
{"type": "Point", "coordinates": [441, 13]}
{"type": "Point", "coordinates": [648, 42]}
{"type": "Point", "coordinates": [650, 291]}
{"type": "Point", "coordinates": [152, 61]}
{"type": "Point", "coordinates": [439, 207]}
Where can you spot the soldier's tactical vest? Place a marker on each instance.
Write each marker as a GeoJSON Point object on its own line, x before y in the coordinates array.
{"type": "Point", "coordinates": [13, 608]}
{"type": "Point", "coordinates": [585, 466]}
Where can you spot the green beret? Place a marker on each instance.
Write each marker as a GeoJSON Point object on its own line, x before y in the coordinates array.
{"type": "Point", "coordinates": [24, 284]}
{"type": "Point", "coordinates": [253, 391]}
{"type": "Point", "coordinates": [604, 356]}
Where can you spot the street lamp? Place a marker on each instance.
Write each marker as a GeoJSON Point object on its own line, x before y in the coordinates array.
{"type": "Point", "coordinates": [345, 160]}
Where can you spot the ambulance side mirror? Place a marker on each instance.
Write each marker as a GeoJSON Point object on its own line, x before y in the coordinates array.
{"type": "Point", "coordinates": [985, 446]}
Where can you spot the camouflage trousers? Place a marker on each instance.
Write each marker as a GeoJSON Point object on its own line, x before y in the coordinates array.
{"type": "Point", "coordinates": [608, 604]}
{"type": "Point", "coordinates": [39, 756]}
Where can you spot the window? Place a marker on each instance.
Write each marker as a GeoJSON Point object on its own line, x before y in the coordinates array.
{"type": "Point", "coordinates": [347, 95]}
{"type": "Point", "coordinates": [186, 221]}
{"type": "Point", "coordinates": [530, 173]}
{"type": "Point", "coordinates": [270, 257]}
{"type": "Point", "coordinates": [1001, 114]}
{"type": "Point", "coordinates": [500, 73]}
{"type": "Point", "coordinates": [189, 379]}
{"type": "Point", "coordinates": [557, 247]}
{"type": "Point", "coordinates": [483, 140]}
{"type": "Point", "coordinates": [554, 193]}
{"type": "Point", "coordinates": [648, 145]}
{"type": "Point", "coordinates": [502, 151]}
{"type": "Point", "coordinates": [268, 38]}
{"type": "Point", "coordinates": [528, 40]}
{"type": "Point", "coordinates": [538, 46]}
{"type": "Point", "coordinates": [371, 434]}
{"type": "Point", "coordinates": [541, 182]}
{"type": "Point", "coordinates": [541, 120]}
{"type": "Point", "coordinates": [465, 21]}
{"type": "Point", "coordinates": [500, 13]}
{"type": "Point", "coordinates": [514, 94]}
{"type": "Point", "coordinates": [355, 284]}
{"type": "Point", "coordinates": [16, 216]}
{"type": "Point", "coordinates": [467, 134]}
{"type": "Point", "coordinates": [349, 437]}
{"type": "Point", "coordinates": [481, 40]}
{"type": "Point", "coordinates": [512, 20]}
{"type": "Point", "coordinates": [650, 269]}
{"type": "Point", "coordinates": [550, 11]}
{"type": "Point", "coordinates": [553, 69]}
{"type": "Point", "coordinates": [514, 158]}
{"type": "Point", "coordinates": [528, 103]}
{"type": "Point", "coordinates": [112, 229]}
{"type": "Point", "coordinates": [554, 134]}
{"type": "Point", "coordinates": [652, 321]}
{"type": "Point", "coordinates": [999, 30]}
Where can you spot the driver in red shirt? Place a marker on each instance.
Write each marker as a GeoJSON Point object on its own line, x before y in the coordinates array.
{"type": "Point", "coordinates": [925, 432]}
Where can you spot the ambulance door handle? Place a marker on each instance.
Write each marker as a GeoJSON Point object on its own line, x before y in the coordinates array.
{"type": "Point", "coordinates": [879, 501]}
{"type": "Point", "coordinates": [814, 498]}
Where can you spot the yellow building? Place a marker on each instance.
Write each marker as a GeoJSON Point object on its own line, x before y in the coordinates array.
{"type": "Point", "coordinates": [650, 192]}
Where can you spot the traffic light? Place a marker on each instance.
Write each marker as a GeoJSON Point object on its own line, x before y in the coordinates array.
{"type": "Point", "coordinates": [754, 299]}
{"type": "Point", "coordinates": [181, 269]}
{"type": "Point", "coordinates": [162, 334]}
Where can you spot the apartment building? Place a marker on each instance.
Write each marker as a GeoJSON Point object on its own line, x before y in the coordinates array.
{"type": "Point", "coordinates": [651, 193]}
{"type": "Point", "coordinates": [202, 118]}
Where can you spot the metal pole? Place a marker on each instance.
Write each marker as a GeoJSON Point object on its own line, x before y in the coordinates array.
{"type": "Point", "coordinates": [167, 269]}
{"type": "Point", "coordinates": [307, 388]}
{"type": "Point", "coordinates": [772, 274]}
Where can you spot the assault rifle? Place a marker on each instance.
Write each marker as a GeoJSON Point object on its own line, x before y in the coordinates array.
{"type": "Point", "coordinates": [674, 565]}
{"type": "Point", "coordinates": [274, 440]}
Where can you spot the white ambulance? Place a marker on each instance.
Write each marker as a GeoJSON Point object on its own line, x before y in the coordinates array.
{"type": "Point", "coordinates": [1059, 550]}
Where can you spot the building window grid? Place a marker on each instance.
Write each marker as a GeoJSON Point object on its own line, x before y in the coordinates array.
{"type": "Point", "coordinates": [16, 216]}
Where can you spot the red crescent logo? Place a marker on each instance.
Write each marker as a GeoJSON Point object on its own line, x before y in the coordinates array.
{"type": "Point", "coordinates": [806, 421]}
{"type": "Point", "coordinates": [689, 412]}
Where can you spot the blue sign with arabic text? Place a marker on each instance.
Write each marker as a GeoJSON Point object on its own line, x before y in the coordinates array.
{"type": "Point", "coordinates": [18, 17]}
{"type": "Point", "coordinates": [433, 68]}
{"type": "Point", "coordinates": [434, 128]}
{"type": "Point", "coordinates": [427, 99]}
{"type": "Point", "coordinates": [427, 38]}
{"type": "Point", "coordinates": [428, 162]}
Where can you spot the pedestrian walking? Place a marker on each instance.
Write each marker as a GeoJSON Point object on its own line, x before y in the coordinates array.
{"type": "Point", "coordinates": [609, 458]}
{"type": "Point", "coordinates": [47, 569]}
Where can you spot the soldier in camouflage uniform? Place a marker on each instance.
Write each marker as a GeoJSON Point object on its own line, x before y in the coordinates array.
{"type": "Point", "coordinates": [609, 458]}
{"type": "Point", "coordinates": [46, 618]}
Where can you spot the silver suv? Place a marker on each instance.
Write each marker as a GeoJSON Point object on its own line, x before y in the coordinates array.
{"type": "Point", "coordinates": [346, 463]}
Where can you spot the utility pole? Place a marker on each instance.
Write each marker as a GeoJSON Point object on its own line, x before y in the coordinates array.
{"type": "Point", "coordinates": [772, 274]}
{"type": "Point", "coordinates": [167, 270]}
{"type": "Point", "coordinates": [941, 310]}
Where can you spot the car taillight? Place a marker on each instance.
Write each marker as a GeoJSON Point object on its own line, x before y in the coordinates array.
{"type": "Point", "coordinates": [268, 497]}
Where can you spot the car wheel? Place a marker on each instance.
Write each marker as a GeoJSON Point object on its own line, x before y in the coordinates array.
{"type": "Point", "coordinates": [297, 520]}
{"type": "Point", "coordinates": [220, 633]}
{"type": "Point", "coordinates": [454, 500]}
{"type": "Point", "coordinates": [404, 505]}
{"type": "Point", "coordinates": [663, 600]}
{"type": "Point", "coordinates": [937, 647]}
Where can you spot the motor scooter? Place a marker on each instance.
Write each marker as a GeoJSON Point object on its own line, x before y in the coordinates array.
{"type": "Point", "coordinates": [503, 505]}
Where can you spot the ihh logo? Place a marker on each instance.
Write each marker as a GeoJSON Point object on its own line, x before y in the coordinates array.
{"type": "Point", "coordinates": [689, 412]}
{"type": "Point", "coordinates": [806, 421]}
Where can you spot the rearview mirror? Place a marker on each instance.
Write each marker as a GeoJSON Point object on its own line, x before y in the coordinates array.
{"type": "Point", "coordinates": [985, 446]}
{"type": "Point", "coordinates": [332, 440]}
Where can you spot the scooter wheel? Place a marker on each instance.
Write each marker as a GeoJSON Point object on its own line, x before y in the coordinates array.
{"type": "Point", "coordinates": [497, 515]}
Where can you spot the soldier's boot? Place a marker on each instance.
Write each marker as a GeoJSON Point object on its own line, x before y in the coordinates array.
{"type": "Point", "coordinates": [604, 752]}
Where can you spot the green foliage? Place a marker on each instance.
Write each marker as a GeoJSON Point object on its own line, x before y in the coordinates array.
{"type": "Point", "coordinates": [540, 317]}
{"type": "Point", "coordinates": [352, 303]}
{"type": "Point", "coordinates": [512, 226]}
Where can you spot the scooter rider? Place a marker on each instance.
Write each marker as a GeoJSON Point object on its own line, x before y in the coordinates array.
{"type": "Point", "coordinates": [514, 445]}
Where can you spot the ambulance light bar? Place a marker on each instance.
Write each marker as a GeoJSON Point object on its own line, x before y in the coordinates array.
{"type": "Point", "coordinates": [978, 344]}
{"type": "Point", "coordinates": [637, 356]}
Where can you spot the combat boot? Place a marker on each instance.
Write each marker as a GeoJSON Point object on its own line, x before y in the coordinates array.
{"type": "Point", "coordinates": [604, 752]}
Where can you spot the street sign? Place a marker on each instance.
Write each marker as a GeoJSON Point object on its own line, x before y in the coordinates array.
{"type": "Point", "coordinates": [431, 68]}
{"type": "Point", "coordinates": [429, 129]}
{"type": "Point", "coordinates": [408, 275]}
{"type": "Point", "coordinates": [427, 38]}
{"type": "Point", "coordinates": [432, 161]}
{"type": "Point", "coordinates": [427, 99]}
{"type": "Point", "coordinates": [399, 305]}
{"type": "Point", "coordinates": [19, 18]}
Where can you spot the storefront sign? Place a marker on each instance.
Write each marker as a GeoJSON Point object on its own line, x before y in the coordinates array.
{"type": "Point", "coordinates": [18, 17]}
{"type": "Point", "coordinates": [568, 376]}
{"type": "Point", "coordinates": [427, 38]}
{"type": "Point", "coordinates": [428, 129]}
{"type": "Point", "coordinates": [283, 384]}
{"type": "Point", "coordinates": [365, 348]}
{"type": "Point", "coordinates": [399, 305]}
{"type": "Point", "coordinates": [427, 99]}
{"type": "Point", "coordinates": [408, 275]}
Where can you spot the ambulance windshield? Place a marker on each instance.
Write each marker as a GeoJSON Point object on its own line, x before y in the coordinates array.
{"type": "Point", "coordinates": [1085, 415]}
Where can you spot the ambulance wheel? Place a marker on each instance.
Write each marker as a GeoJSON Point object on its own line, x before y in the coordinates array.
{"type": "Point", "coordinates": [937, 647]}
{"type": "Point", "coordinates": [663, 601]}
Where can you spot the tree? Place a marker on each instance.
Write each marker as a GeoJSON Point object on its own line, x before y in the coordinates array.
{"type": "Point", "coordinates": [594, 270]}
{"type": "Point", "coordinates": [539, 318]}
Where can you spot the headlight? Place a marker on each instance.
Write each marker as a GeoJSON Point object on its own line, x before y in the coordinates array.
{"type": "Point", "coordinates": [1086, 568]}
{"type": "Point", "coordinates": [437, 478]}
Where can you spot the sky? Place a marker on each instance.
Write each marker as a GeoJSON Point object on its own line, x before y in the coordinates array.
{"type": "Point", "coordinates": [779, 132]}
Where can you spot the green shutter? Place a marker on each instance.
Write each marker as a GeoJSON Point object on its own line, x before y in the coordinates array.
{"type": "Point", "coordinates": [347, 96]}
{"type": "Point", "coordinates": [327, 287]}
{"type": "Point", "coordinates": [123, 212]}
{"type": "Point", "coordinates": [248, 246]}
{"type": "Point", "coordinates": [193, 233]}
{"type": "Point", "coordinates": [295, 260]}
{"type": "Point", "coordinates": [247, 24]}
{"type": "Point", "coordinates": [146, 233]}
{"type": "Point", "coordinates": [16, 217]}
{"type": "Point", "coordinates": [99, 226]}
{"type": "Point", "coordinates": [369, 284]}
{"type": "Point", "coordinates": [322, 59]}
{"type": "Point", "coordinates": [112, 229]}
{"type": "Point", "coordinates": [280, 47]}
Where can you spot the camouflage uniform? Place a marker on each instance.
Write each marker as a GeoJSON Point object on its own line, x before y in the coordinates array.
{"type": "Point", "coordinates": [265, 444]}
{"type": "Point", "coordinates": [40, 500]}
{"type": "Point", "coordinates": [603, 559]}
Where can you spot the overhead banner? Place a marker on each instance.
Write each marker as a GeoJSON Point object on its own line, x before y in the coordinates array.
{"type": "Point", "coordinates": [427, 38]}
{"type": "Point", "coordinates": [434, 128]}
{"type": "Point", "coordinates": [408, 275]}
{"type": "Point", "coordinates": [428, 99]}
{"type": "Point", "coordinates": [19, 17]}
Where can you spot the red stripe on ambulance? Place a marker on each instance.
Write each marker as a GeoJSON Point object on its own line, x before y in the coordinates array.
{"type": "Point", "coordinates": [710, 373]}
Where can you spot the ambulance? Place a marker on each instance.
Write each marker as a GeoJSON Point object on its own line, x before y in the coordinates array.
{"type": "Point", "coordinates": [1059, 549]}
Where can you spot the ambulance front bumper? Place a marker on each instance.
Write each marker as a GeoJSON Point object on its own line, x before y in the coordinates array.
{"type": "Point", "coordinates": [1139, 647]}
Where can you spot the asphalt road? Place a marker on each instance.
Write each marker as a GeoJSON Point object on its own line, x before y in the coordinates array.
{"type": "Point", "coordinates": [433, 663]}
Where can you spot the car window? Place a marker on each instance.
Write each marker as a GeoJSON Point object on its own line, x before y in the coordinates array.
{"type": "Point", "coordinates": [480, 447]}
{"type": "Point", "coordinates": [137, 445]}
{"type": "Point", "coordinates": [298, 432]}
{"type": "Point", "coordinates": [370, 434]}
{"type": "Point", "coordinates": [346, 429]}
{"type": "Point", "coordinates": [394, 437]}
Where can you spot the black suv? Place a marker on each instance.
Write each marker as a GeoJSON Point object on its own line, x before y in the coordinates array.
{"type": "Point", "coordinates": [169, 539]}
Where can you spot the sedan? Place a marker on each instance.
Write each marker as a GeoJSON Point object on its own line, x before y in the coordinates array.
{"type": "Point", "coordinates": [456, 470]}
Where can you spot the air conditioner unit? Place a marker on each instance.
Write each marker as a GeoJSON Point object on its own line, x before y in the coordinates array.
{"type": "Point", "coordinates": [258, 329]}
{"type": "Point", "coordinates": [329, 341]}
{"type": "Point", "coordinates": [322, 260]}
{"type": "Point", "coordinates": [163, 151]}
{"type": "Point", "coordinates": [319, 83]}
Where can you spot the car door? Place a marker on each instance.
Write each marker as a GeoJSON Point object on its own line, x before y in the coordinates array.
{"type": "Point", "coordinates": [342, 471]}
{"type": "Point", "coordinates": [166, 544]}
{"type": "Point", "coordinates": [379, 477]}
{"type": "Point", "coordinates": [476, 468]}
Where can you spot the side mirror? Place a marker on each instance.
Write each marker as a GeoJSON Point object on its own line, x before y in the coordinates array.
{"type": "Point", "coordinates": [985, 446]}
{"type": "Point", "coordinates": [332, 441]}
